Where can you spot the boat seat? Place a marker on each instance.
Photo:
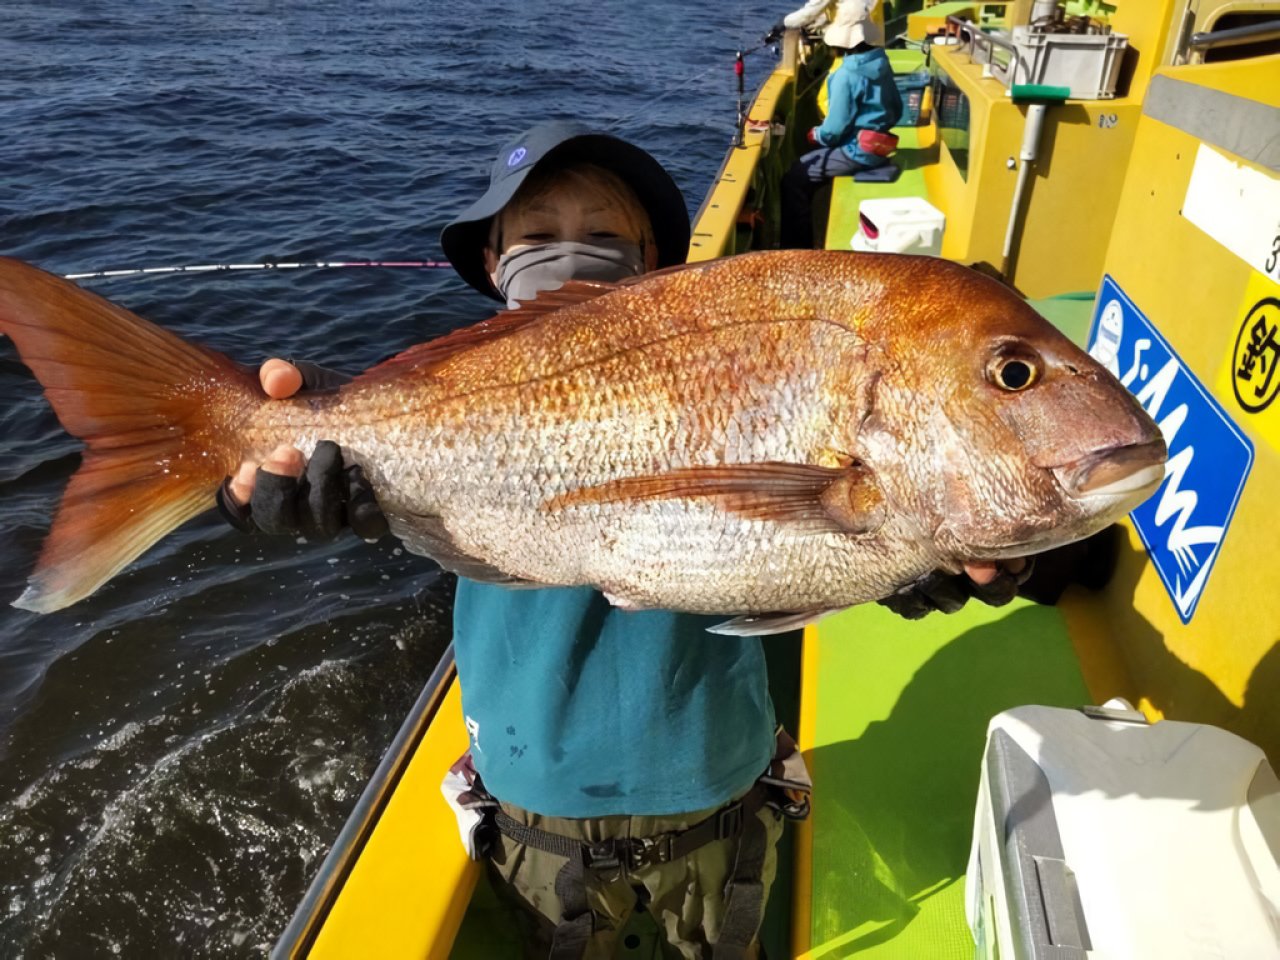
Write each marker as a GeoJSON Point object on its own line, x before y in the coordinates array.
{"type": "Point", "coordinates": [915, 145]}
{"type": "Point", "coordinates": [885, 174]}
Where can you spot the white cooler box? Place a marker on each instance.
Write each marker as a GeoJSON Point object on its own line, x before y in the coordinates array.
{"type": "Point", "coordinates": [899, 225]}
{"type": "Point", "coordinates": [1099, 835]}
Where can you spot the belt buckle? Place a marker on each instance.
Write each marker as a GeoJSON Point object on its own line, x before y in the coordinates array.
{"type": "Point", "coordinates": [602, 857]}
{"type": "Point", "coordinates": [729, 821]}
{"type": "Point", "coordinates": [649, 851]}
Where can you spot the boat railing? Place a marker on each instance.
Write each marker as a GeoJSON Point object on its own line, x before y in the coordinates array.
{"type": "Point", "coordinates": [1249, 33]}
{"type": "Point", "coordinates": [982, 47]}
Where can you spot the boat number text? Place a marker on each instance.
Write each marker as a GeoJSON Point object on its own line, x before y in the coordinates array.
{"type": "Point", "coordinates": [1108, 120]}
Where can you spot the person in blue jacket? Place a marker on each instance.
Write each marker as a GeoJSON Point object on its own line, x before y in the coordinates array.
{"type": "Point", "coordinates": [863, 106]}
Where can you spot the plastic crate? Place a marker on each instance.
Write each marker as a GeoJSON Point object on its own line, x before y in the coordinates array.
{"type": "Point", "coordinates": [1088, 63]}
{"type": "Point", "coordinates": [911, 88]}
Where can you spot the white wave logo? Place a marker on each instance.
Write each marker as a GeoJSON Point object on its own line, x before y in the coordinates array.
{"type": "Point", "coordinates": [1183, 526]}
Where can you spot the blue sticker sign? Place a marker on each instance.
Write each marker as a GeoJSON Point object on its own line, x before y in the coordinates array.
{"type": "Point", "coordinates": [1184, 523]}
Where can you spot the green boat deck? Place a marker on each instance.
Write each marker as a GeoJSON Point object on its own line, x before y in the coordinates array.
{"type": "Point", "coordinates": [901, 719]}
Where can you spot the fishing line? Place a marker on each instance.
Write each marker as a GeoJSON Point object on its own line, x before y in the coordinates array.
{"type": "Point", "coordinates": [271, 265]}
{"type": "Point", "coordinates": [662, 96]}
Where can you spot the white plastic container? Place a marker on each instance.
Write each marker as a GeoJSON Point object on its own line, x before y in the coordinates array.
{"type": "Point", "coordinates": [1100, 836]}
{"type": "Point", "coordinates": [1087, 63]}
{"type": "Point", "coordinates": [899, 225]}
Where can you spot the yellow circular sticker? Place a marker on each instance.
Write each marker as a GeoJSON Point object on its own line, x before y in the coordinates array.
{"type": "Point", "coordinates": [1253, 369]}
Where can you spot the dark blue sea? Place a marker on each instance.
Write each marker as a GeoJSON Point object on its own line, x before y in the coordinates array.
{"type": "Point", "coordinates": [178, 751]}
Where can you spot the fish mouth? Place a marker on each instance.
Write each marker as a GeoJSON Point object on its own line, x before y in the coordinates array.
{"type": "Point", "coordinates": [1122, 471]}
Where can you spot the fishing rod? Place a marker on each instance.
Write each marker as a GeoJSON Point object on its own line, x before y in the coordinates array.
{"type": "Point", "coordinates": [770, 40]}
{"type": "Point", "coordinates": [267, 265]}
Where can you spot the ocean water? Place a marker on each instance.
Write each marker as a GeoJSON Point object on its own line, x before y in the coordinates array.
{"type": "Point", "coordinates": [178, 751]}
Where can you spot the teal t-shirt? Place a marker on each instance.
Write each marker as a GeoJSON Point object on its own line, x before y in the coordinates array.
{"type": "Point", "coordinates": [578, 709]}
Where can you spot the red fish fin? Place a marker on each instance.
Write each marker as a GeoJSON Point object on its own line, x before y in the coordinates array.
{"type": "Point", "coordinates": [668, 271]}
{"type": "Point", "coordinates": [439, 350]}
{"type": "Point", "coordinates": [158, 415]}
{"type": "Point", "coordinates": [825, 499]}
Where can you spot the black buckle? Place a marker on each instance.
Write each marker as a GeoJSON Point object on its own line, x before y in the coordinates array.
{"type": "Point", "coordinates": [602, 857]}
{"type": "Point", "coordinates": [729, 821]}
{"type": "Point", "coordinates": [650, 851]}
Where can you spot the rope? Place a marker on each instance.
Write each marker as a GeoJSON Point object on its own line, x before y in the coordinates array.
{"type": "Point", "coordinates": [226, 267]}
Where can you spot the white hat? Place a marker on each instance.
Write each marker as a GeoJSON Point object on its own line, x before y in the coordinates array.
{"type": "Point", "coordinates": [853, 25]}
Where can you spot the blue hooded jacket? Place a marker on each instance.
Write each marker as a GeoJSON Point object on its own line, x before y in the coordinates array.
{"type": "Point", "coordinates": [862, 95]}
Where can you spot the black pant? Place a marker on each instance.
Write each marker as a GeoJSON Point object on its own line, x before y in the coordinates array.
{"type": "Point", "coordinates": [798, 186]}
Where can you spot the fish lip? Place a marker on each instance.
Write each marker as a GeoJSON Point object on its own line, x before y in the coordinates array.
{"type": "Point", "coordinates": [1123, 470]}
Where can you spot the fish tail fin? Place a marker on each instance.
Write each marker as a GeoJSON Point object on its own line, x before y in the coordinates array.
{"type": "Point", "coordinates": [160, 418]}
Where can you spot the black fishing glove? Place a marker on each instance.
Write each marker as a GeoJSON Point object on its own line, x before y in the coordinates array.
{"type": "Point", "coordinates": [948, 592]}
{"type": "Point", "coordinates": [327, 497]}
{"type": "Point", "coordinates": [1089, 563]}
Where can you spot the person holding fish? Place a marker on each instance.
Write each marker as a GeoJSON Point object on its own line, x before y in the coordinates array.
{"type": "Point", "coordinates": [863, 105]}
{"type": "Point", "coordinates": [594, 727]}
{"type": "Point", "coordinates": [556, 681]}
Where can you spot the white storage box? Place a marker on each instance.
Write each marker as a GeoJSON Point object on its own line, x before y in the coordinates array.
{"type": "Point", "coordinates": [1088, 63]}
{"type": "Point", "coordinates": [899, 225]}
{"type": "Point", "coordinates": [1100, 836]}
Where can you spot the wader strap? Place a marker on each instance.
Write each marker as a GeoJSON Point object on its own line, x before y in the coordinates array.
{"type": "Point", "coordinates": [577, 923]}
{"type": "Point", "coordinates": [744, 896]}
{"type": "Point", "coordinates": [609, 859]}
{"type": "Point", "coordinates": [533, 837]}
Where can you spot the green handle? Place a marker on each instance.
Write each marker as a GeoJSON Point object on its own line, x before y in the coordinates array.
{"type": "Point", "coordinates": [1038, 93]}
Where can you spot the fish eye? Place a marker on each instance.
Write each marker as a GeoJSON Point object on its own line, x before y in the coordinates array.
{"type": "Point", "coordinates": [1014, 370]}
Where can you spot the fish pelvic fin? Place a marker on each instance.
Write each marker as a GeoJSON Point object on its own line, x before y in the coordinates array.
{"type": "Point", "coordinates": [159, 418]}
{"type": "Point", "coordinates": [843, 499]}
{"type": "Point", "coordinates": [768, 624]}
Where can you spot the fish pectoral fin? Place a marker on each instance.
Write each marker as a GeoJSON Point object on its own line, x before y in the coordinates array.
{"type": "Point", "coordinates": [428, 537]}
{"type": "Point", "coordinates": [763, 624]}
{"type": "Point", "coordinates": [845, 499]}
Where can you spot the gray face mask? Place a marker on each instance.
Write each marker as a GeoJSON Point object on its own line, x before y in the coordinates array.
{"type": "Point", "coordinates": [524, 273]}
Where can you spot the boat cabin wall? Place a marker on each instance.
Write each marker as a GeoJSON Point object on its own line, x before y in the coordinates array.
{"type": "Point", "coordinates": [1064, 222]}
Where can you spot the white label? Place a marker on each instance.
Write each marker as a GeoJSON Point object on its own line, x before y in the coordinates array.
{"type": "Point", "coordinates": [1237, 206]}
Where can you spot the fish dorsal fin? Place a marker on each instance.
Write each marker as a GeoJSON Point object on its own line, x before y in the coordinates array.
{"type": "Point", "coordinates": [666, 272]}
{"type": "Point", "coordinates": [437, 351]}
{"type": "Point", "coordinates": [821, 499]}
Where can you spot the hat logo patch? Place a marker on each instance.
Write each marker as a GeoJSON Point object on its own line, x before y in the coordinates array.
{"type": "Point", "coordinates": [518, 154]}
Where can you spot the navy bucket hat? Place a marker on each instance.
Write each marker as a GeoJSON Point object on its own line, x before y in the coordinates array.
{"type": "Point", "coordinates": [464, 239]}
